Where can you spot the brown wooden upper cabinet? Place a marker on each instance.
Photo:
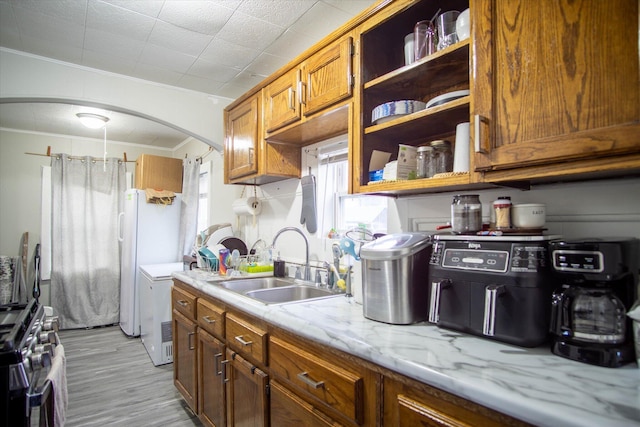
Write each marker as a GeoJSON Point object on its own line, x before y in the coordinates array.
{"type": "Point", "coordinates": [556, 89]}
{"type": "Point", "coordinates": [320, 81]}
{"type": "Point", "coordinates": [249, 159]}
{"type": "Point", "coordinates": [242, 139]}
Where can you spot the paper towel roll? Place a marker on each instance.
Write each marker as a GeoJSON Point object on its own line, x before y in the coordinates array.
{"type": "Point", "coordinates": [247, 207]}
{"type": "Point", "coordinates": [461, 153]}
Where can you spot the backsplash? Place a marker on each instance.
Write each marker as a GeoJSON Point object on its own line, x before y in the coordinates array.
{"type": "Point", "coordinates": [579, 209]}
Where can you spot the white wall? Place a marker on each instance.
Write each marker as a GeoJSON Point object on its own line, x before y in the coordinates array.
{"type": "Point", "coordinates": [25, 77]}
{"type": "Point", "coordinates": [579, 209]}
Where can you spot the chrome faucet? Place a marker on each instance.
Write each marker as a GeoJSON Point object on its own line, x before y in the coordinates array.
{"type": "Point", "coordinates": [307, 269]}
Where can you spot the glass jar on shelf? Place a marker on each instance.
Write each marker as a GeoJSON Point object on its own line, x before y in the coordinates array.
{"type": "Point", "coordinates": [425, 161]}
{"type": "Point", "coordinates": [443, 157]}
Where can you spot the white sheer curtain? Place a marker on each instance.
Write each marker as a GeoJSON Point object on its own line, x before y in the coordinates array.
{"type": "Point", "coordinates": [86, 197]}
{"type": "Point", "coordinates": [189, 208]}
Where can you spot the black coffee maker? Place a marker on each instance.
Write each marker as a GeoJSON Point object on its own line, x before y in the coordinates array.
{"type": "Point", "coordinates": [598, 281]}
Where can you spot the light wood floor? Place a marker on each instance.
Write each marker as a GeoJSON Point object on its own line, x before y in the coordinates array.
{"type": "Point", "coordinates": [112, 382]}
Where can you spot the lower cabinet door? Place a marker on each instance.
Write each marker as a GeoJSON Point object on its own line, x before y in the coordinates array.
{"type": "Point", "coordinates": [289, 410]}
{"type": "Point", "coordinates": [247, 393]}
{"type": "Point", "coordinates": [184, 359]}
{"type": "Point", "coordinates": [211, 389]}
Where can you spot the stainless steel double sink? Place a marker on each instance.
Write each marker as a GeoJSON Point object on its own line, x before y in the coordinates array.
{"type": "Point", "coordinates": [276, 290]}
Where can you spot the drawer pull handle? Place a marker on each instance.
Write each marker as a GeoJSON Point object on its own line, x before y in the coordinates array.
{"type": "Point", "coordinates": [216, 360]}
{"type": "Point", "coordinates": [304, 377]}
{"type": "Point", "coordinates": [189, 336]}
{"type": "Point", "coordinates": [208, 319]}
{"type": "Point", "coordinates": [243, 342]}
{"type": "Point", "coordinates": [224, 371]}
{"type": "Point", "coordinates": [182, 302]}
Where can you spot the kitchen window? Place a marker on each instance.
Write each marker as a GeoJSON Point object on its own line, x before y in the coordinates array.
{"type": "Point", "coordinates": [339, 210]}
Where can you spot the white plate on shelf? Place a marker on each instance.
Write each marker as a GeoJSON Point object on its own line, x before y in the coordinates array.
{"type": "Point", "coordinates": [446, 97]}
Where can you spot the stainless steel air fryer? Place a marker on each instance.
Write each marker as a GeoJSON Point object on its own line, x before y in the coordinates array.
{"type": "Point", "coordinates": [394, 278]}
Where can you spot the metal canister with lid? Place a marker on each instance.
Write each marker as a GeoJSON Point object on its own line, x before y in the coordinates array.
{"type": "Point", "coordinates": [443, 157]}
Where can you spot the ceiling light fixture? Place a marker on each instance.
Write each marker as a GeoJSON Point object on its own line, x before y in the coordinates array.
{"type": "Point", "coordinates": [92, 121]}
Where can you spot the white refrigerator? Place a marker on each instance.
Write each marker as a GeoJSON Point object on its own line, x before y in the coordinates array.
{"type": "Point", "coordinates": [155, 311]}
{"type": "Point", "coordinates": [149, 235]}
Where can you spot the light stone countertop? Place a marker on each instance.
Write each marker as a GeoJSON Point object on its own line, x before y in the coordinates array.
{"type": "Point", "coordinates": [532, 385]}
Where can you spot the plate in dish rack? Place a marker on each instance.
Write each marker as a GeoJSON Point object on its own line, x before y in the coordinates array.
{"type": "Point", "coordinates": [446, 97]}
{"type": "Point", "coordinates": [390, 110]}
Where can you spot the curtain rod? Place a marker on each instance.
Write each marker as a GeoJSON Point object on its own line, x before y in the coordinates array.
{"type": "Point", "coordinates": [48, 154]}
{"type": "Point", "coordinates": [203, 155]}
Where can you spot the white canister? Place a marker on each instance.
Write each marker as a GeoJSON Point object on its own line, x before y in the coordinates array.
{"type": "Point", "coordinates": [529, 215]}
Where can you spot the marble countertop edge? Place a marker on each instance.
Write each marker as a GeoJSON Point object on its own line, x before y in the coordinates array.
{"type": "Point", "coordinates": [529, 384]}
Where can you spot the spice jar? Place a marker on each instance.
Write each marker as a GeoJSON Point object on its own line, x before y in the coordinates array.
{"type": "Point", "coordinates": [443, 157]}
{"type": "Point", "coordinates": [466, 214]}
{"type": "Point", "coordinates": [502, 212]}
{"type": "Point", "coordinates": [425, 161]}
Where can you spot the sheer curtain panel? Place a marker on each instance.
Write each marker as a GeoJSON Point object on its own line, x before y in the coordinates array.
{"type": "Point", "coordinates": [87, 195]}
{"type": "Point", "coordinates": [189, 209]}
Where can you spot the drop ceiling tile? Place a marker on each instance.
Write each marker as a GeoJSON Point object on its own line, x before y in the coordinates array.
{"type": "Point", "coordinates": [250, 32]}
{"type": "Point", "coordinates": [49, 29]}
{"type": "Point", "coordinates": [320, 20]}
{"type": "Point", "coordinates": [248, 79]}
{"type": "Point", "coordinates": [113, 45]}
{"type": "Point", "coordinates": [352, 7]}
{"type": "Point", "coordinates": [212, 70]}
{"type": "Point", "coordinates": [9, 33]}
{"type": "Point", "coordinates": [290, 44]}
{"type": "Point", "coordinates": [229, 54]}
{"type": "Point", "coordinates": [52, 48]}
{"type": "Point", "coordinates": [201, 16]}
{"type": "Point", "coordinates": [200, 84]}
{"type": "Point", "coordinates": [266, 64]}
{"type": "Point", "coordinates": [179, 39]}
{"type": "Point", "coordinates": [108, 62]}
{"type": "Point", "coordinates": [282, 17]}
{"type": "Point", "coordinates": [148, 8]}
{"type": "Point", "coordinates": [233, 90]}
{"type": "Point", "coordinates": [164, 58]}
{"type": "Point", "coordinates": [116, 20]}
{"type": "Point", "coordinates": [155, 74]}
{"type": "Point", "coordinates": [67, 10]}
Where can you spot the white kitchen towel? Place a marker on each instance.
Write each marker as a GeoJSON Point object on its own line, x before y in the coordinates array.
{"type": "Point", "coordinates": [58, 377]}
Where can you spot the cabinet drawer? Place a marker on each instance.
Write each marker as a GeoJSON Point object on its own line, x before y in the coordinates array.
{"type": "Point", "coordinates": [211, 317]}
{"type": "Point", "coordinates": [288, 410]}
{"type": "Point", "coordinates": [336, 387]}
{"type": "Point", "coordinates": [184, 302]}
{"type": "Point", "coordinates": [246, 339]}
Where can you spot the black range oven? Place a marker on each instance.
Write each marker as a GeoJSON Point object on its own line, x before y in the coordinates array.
{"type": "Point", "coordinates": [27, 342]}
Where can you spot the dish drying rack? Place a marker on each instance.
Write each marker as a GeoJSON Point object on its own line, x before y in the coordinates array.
{"type": "Point", "coordinates": [246, 264]}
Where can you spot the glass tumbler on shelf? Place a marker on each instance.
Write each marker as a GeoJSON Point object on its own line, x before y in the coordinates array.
{"type": "Point", "coordinates": [424, 39]}
{"type": "Point", "coordinates": [447, 28]}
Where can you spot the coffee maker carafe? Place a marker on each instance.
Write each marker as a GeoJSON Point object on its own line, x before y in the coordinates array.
{"type": "Point", "coordinates": [598, 281]}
